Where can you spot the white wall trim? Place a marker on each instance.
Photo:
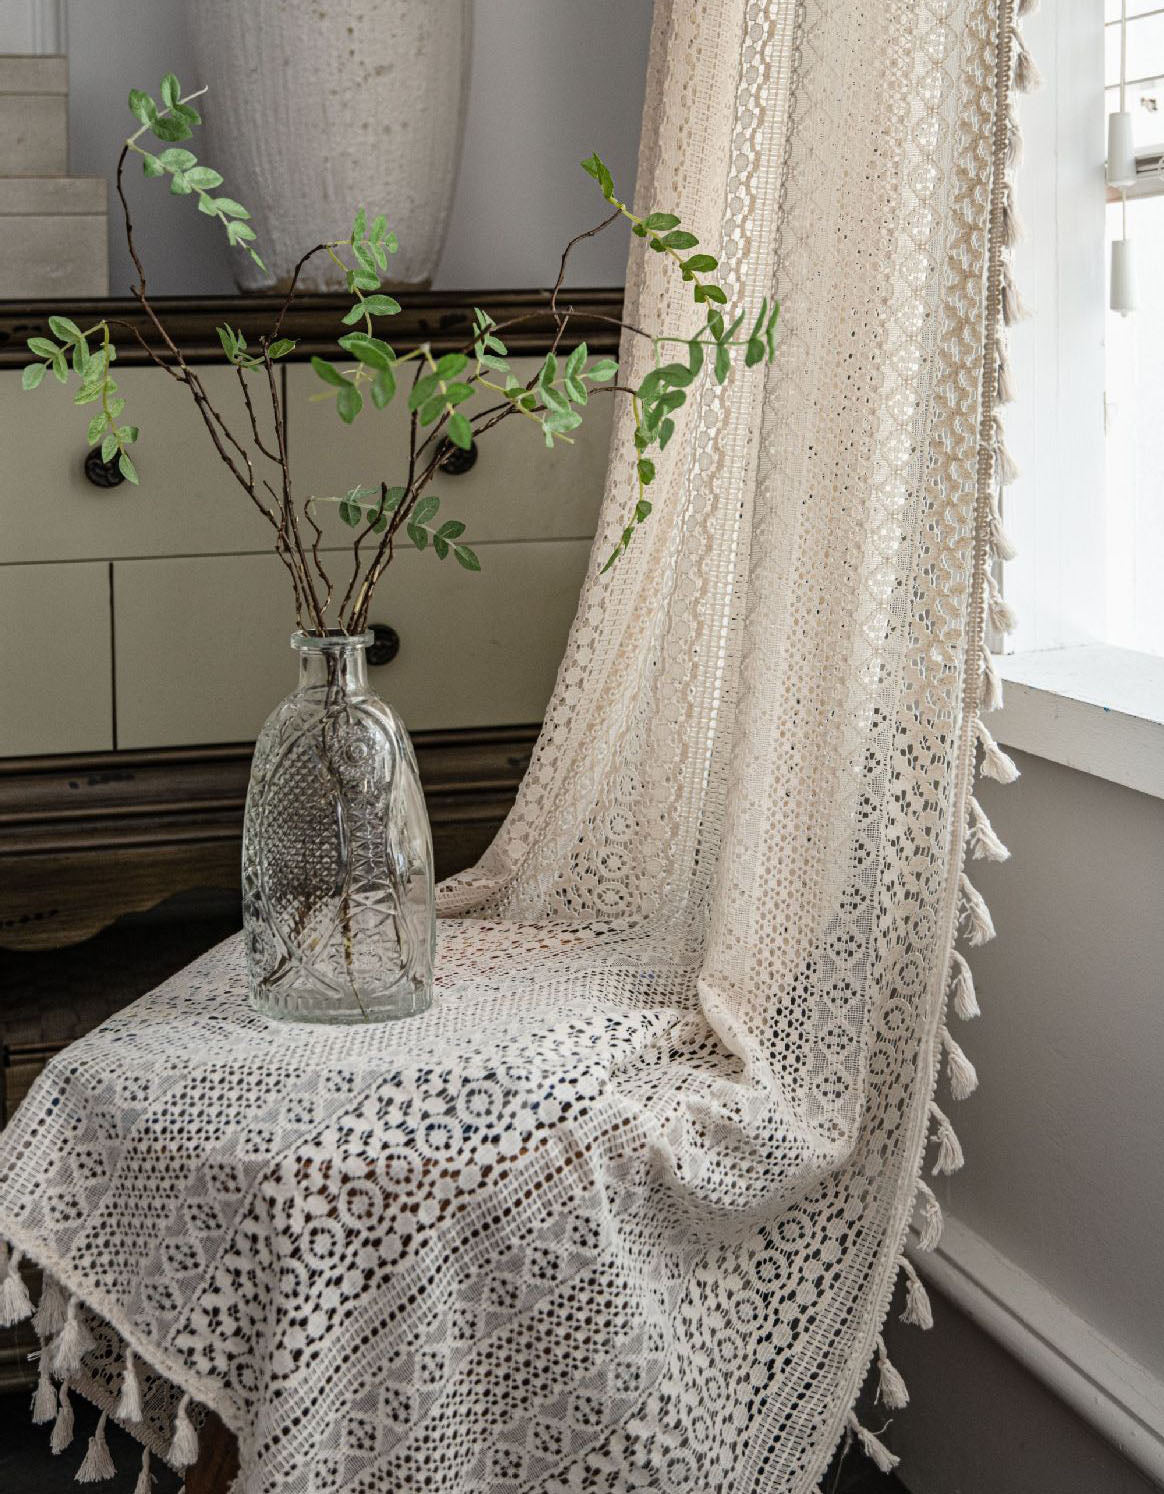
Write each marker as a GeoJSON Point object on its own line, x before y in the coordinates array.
{"type": "Point", "coordinates": [1121, 1399]}
{"type": "Point", "coordinates": [49, 26]}
{"type": "Point", "coordinates": [1096, 708]}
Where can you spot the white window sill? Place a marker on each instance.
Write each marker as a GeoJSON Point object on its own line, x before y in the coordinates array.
{"type": "Point", "coordinates": [1094, 708]}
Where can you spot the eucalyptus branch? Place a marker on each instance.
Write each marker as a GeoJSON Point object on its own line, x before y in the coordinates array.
{"type": "Point", "coordinates": [554, 398]}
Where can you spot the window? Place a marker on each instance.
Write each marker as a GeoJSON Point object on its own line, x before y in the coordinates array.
{"type": "Point", "coordinates": [1087, 427]}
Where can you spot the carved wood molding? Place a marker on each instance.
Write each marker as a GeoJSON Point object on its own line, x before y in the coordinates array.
{"type": "Point", "coordinates": [85, 839]}
{"type": "Point", "coordinates": [444, 318]}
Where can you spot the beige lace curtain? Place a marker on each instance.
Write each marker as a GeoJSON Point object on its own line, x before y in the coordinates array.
{"type": "Point", "coordinates": [627, 1208]}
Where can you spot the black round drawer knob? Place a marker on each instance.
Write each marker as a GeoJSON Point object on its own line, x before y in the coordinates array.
{"type": "Point", "coordinates": [455, 460]}
{"type": "Point", "coordinates": [102, 474]}
{"type": "Point", "coordinates": [385, 644]}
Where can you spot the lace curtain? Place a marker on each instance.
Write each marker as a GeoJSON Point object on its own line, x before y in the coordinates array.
{"type": "Point", "coordinates": [626, 1209]}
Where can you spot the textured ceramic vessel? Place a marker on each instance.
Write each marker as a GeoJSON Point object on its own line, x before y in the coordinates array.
{"type": "Point", "coordinates": [338, 906]}
{"type": "Point", "coordinates": [317, 107]}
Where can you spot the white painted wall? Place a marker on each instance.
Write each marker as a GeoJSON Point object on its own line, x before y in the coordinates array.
{"type": "Point", "coordinates": [550, 83]}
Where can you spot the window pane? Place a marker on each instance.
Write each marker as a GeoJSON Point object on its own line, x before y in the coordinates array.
{"type": "Point", "coordinates": [1135, 440]}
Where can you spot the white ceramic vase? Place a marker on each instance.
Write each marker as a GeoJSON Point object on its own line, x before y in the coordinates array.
{"type": "Point", "coordinates": [319, 106]}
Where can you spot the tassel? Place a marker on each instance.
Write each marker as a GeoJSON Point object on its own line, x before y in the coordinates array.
{"type": "Point", "coordinates": [1004, 393]}
{"type": "Point", "coordinates": [950, 1157]}
{"type": "Point", "coordinates": [873, 1448]}
{"type": "Point", "coordinates": [995, 763]}
{"type": "Point", "coordinates": [144, 1478]}
{"type": "Point", "coordinates": [891, 1389]}
{"type": "Point", "coordinates": [63, 1426]}
{"type": "Point", "coordinates": [15, 1303]}
{"type": "Point", "coordinates": [1014, 138]}
{"type": "Point", "coordinates": [44, 1400]}
{"type": "Point", "coordinates": [931, 1227]}
{"type": "Point", "coordinates": [918, 1311]}
{"type": "Point", "coordinates": [49, 1318]}
{"type": "Point", "coordinates": [960, 1071]}
{"type": "Point", "coordinates": [962, 993]}
{"type": "Point", "coordinates": [979, 924]}
{"type": "Point", "coordinates": [985, 844]}
{"type": "Point", "coordinates": [184, 1448]}
{"type": "Point", "coordinates": [1012, 228]}
{"type": "Point", "coordinates": [1002, 547]}
{"type": "Point", "coordinates": [1006, 469]}
{"type": "Point", "coordinates": [98, 1465]}
{"type": "Point", "coordinates": [1002, 615]}
{"type": "Point", "coordinates": [990, 695]}
{"type": "Point", "coordinates": [1026, 75]}
{"type": "Point", "coordinates": [1027, 7]}
{"type": "Point", "coordinates": [129, 1405]}
{"type": "Point", "coordinates": [72, 1343]}
{"type": "Point", "coordinates": [1013, 308]}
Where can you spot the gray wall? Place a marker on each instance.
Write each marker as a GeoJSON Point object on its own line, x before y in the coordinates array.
{"type": "Point", "coordinates": [550, 83]}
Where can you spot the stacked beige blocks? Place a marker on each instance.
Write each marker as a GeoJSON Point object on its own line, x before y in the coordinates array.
{"type": "Point", "coordinates": [53, 238]}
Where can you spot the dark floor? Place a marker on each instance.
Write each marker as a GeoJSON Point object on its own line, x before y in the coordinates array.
{"type": "Point", "coordinates": [28, 1467]}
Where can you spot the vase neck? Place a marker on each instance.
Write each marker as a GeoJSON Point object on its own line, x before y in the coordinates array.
{"type": "Point", "coordinates": [338, 662]}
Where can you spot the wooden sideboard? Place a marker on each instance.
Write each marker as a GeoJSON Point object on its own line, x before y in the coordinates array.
{"type": "Point", "coordinates": [147, 628]}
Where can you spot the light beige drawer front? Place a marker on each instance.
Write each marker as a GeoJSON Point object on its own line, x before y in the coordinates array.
{"type": "Point", "coordinates": [187, 503]}
{"type": "Point", "coordinates": [203, 655]}
{"type": "Point", "coordinates": [518, 489]}
{"type": "Point", "coordinates": [56, 682]}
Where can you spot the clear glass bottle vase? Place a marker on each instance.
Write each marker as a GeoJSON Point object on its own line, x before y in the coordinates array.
{"type": "Point", "coordinates": [338, 906]}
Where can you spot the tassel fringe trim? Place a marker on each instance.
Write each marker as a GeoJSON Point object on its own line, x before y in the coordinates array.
{"type": "Point", "coordinates": [129, 1404]}
{"type": "Point", "coordinates": [49, 1318]}
{"type": "Point", "coordinates": [144, 1478]}
{"type": "Point", "coordinates": [72, 1343]}
{"type": "Point", "coordinates": [98, 1464]}
{"type": "Point", "coordinates": [984, 843]}
{"type": "Point", "coordinates": [995, 763]}
{"type": "Point", "coordinates": [184, 1447]}
{"type": "Point", "coordinates": [917, 1311]}
{"type": "Point", "coordinates": [63, 1426]}
{"type": "Point", "coordinates": [44, 1399]}
{"type": "Point", "coordinates": [959, 1070]}
{"type": "Point", "coordinates": [891, 1391]}
{"type": "Point", "coordinates": [963, 997]}
{"type": "Point", "coordinates": [950, 1157]}
{"type": "Point", "coordinates": [15, 1303]}
{"type": "Point", "coordinates": [979, 924]}
{"type": "Point", "coordinates": [872, 1446]}
{"type": "Point", "coordinates": [930, 1232]}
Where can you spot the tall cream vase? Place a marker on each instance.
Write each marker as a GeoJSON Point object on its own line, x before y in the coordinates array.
{"type": "Point", "coordinates": [322, 105]}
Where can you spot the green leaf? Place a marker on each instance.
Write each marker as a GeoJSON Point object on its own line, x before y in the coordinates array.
{"type": "Point", "coordinates": [700, 263]}
{"type": "Point", "coordinates": [129, 433]}
{"type": "Point", "coordinates": [178, 160]}
{"type": "Point", "coordinates": [349, 402]}
{"type": "Point", "coordinates": [660, 222]}
{"type": "Point", "coordinates": [451, 365]}
{"type": "Point", "coordinates": [96, 425]}
{"type": "Point", "coordinates": [33, 375]}
{"type": "Point", "coordinates": [548, 371]}
{"type": "Point", "coordinates": [108, 447]}
{"type": "Point", "coordinates": [466, 557]}
{"type": "Point", "coordinates": [457, 394]}
{"type": "Point", "coordinates": [601, 370]}
{"type": "Point", "coordinates": [61, 374]}
{"type": "Point", "coordinates": [378, 229]}
{"type": "Point", "coordinates": [360, 226]}
{"type": "Point", "coordinates": [431, 410]}
{"type": "Point", "coordinates": [167, 127]}
{"type": "Point", "coordinates": [460, 431]}
{"type": "Point", "coordinates": [364, 280]}
{"type": "Point", "coordinates": [646, 470]}
{"type": "Point", "coordinates": [239, 233]}
{"type": "Point", "coordinates": [171, 90]}
{"type": "Point", "coordinates": [329, 373]}
{"type": "Point", "coordinates": [422, 391]}
{"type": "Point", "coordinates": [369, 350]}
{"type": "Point", "coordinates": [179, 185]}
{"type": "Point", "coordinates": [451, 529]}
{"type": "Point", "coordinates": [695, 355]}
{"type": "Point", "coordinates": [723, 363]}
{"type": "Point", "coordinates": [711, 293]}
{"type": "Point", "coordinates": [142, 107]}
{"type": "Point", "coordinates": [666, 431]}
{"type": "Point", "coordinates": [128, 470]}
{"type": "Point", "coordinates": [383, 387]}
{"type": "Point", "coordinates": [755, 352]}
{"type": "Point", "coordinates": [229, 208]}
{"type": "Point", "coordinates": [380, 305]}
{"type": "Point", "coordinates": [576, 390]}
{"type": "Point", "coordinates": [441, 547]}
{"type": "Point", "coordinates": [758, 327]}
{"type": "Point", "coordinates": [43, 347]}
{"type": "Point", "coordinates": [425, 510]}
{"type": "Point", "coordinates": [576, 361]}
{"type": "Point", "coordinates": [350, 513]}
{"type": "Point", "coordinates": [679, 238]}
{"type": "Point", "coordinates": [280, 347]}
{"type": "Point", "coordinates": [203, 178]}
{"type": "Point", "coordinates": [64, 330]}
{"type": "Point", "coordinates": [151, 166]}
{"type": "Point", "coordinates": [115, 407]}
{"type": "Point", "coordinates": [187, 113]}
{"type": "Point", "coordinates": [228, 340]}
{"type": "Point", "coordinates": [594, 166]}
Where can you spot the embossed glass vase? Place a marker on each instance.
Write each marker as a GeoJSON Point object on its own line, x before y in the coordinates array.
{"type": "Point", "coordinates": [338, 909]}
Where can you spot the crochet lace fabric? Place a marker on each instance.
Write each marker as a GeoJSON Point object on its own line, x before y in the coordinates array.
{"type": "Point", "coordinates": [625, 1209]}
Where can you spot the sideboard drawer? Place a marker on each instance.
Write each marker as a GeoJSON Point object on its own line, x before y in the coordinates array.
{"type": "Point", "coordinates": [202, 649]}
{"type": "Point", "coordinates": [517, 489]}
{"type": "Point", "coordinates": [187, 504]}
{"type": "Point", "coordinates": [55, 680]}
